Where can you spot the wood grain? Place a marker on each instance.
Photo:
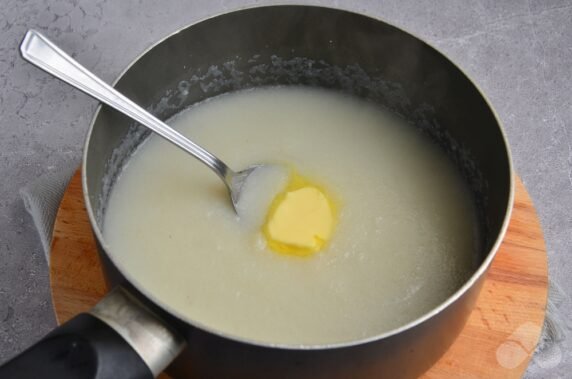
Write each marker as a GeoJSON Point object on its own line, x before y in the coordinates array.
{"type": "Point", "coordinates": [497, 342]}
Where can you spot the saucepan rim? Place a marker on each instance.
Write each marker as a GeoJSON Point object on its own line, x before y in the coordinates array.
{"type": "Point", "coordinates": [477, 274]}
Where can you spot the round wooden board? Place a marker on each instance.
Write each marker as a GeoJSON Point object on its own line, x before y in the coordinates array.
{"type": "Point", "coordinates": [497, 342]}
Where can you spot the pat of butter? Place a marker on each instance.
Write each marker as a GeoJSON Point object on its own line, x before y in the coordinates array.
{"type": "Point", "coordinates": [300, 221]}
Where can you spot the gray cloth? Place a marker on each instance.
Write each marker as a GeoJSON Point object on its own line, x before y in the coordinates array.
{"type": "Point", "coordinates": [42, 198]}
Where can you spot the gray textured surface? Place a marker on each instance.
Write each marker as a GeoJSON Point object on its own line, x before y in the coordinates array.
{"type": "Point", "coordinates": [519, 52]}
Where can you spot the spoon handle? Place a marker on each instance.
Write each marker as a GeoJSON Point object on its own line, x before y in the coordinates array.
{"type": "Point", "coordinates": [43, 53]}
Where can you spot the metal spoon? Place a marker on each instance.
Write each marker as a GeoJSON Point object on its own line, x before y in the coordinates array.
{"type": "Point", "coordinates": [43, 53]}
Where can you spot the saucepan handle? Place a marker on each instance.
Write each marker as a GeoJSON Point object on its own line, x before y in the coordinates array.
{"type": "Point", "coordinates": [118, 338]}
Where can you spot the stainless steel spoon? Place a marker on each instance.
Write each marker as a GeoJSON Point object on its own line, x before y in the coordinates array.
{"type": "Point", "coordinates": [40, 51]}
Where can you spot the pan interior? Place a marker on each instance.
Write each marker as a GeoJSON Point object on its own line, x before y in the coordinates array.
{"type": "Point", "coordinates": [403, 242]}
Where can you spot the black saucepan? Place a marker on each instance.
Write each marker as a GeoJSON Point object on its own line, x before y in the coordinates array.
{"type": "Point", "coordinates": [131, 334]}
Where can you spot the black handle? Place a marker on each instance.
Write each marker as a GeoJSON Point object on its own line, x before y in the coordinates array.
{"type": "Point", "coordinates": [82, 348]}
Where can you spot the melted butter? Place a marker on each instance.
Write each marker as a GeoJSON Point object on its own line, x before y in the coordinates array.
{"type": "Point", "coordinates": [301, 219]}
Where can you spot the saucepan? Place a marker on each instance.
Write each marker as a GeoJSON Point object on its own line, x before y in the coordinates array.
{"type": "Point", "coordinates": [133, 334]}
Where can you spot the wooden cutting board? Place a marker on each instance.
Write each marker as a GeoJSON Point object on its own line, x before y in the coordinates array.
{"type": "Point", "coordinates": [497, 342]}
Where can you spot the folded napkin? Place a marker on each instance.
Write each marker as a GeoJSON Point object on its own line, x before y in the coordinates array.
{"type": "Point", "coordinates": [42, 199]}
{"type": "Point", "coordinates": [550, 360]}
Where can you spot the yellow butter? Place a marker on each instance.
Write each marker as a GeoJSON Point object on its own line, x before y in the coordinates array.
{"type": "Point", "coordinates": [300, 220]}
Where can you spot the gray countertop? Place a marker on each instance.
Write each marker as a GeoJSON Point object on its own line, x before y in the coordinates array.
{"type": "Point", "coordinates": [518, 51]}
